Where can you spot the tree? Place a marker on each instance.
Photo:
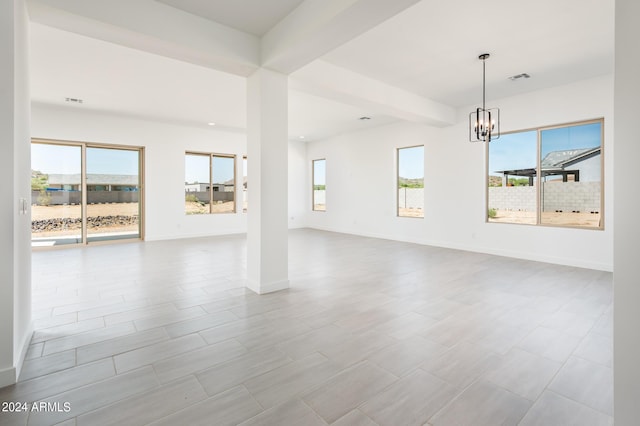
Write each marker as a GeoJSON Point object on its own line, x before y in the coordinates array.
{"type": "Point", "coordinates": [518, 182]}
{"type": "Point", "coordinates": [39, 180]}
{"type": "Point", "coordinates": [410, 183]}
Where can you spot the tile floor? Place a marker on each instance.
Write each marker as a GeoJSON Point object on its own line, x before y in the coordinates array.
{"type": "Point", "coordinates": [372, 332]}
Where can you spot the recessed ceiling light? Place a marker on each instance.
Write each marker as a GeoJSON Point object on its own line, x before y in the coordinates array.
{"type": "Point", "coordinates": [519, 76]}
{"type": "Point", "coordinates": [364, 118]}
{"type": "Point", "coordinates": [300, 137]}
{"type": "Point", "coordinates": [211, 124]}
{"type": "Point", "coordinates": [74, 100]}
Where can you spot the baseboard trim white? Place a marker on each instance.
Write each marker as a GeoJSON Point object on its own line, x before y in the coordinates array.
{"type": "Point", "coordinates": [264, 288]}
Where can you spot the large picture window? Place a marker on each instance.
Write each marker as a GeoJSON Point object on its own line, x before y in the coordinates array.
{"type": "Point", "coordinates": [548, 176]}
{"type": "Point", "coordinates": [319, 185]}
{"type": "Point", "coordinates": [410, 181]}
{"type": "Point", "coordinates": [209, 183]}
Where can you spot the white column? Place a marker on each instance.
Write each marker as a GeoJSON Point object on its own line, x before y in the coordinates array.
{"type": "Point", "coordinates": [267, 158]}
{"type": "Point", "coordinates": [15, 192]}
{"type": "Point", "coordinates": [626, 269]}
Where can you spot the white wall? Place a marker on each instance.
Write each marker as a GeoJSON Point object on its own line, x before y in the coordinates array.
{"type": "Point", "coordinates": [361, 182]}
{"type": "Point", "coordinates": [165, 145]}
{"type": "Point", "coordinates": [298, 185]}
{"type": "Point", "coordinates": [627, 268]}
{"type": "Point", "coordinates": [15, 255]}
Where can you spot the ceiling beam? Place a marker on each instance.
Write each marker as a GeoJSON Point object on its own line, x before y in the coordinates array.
{"type": "Point", "coordinates": [323, 79]}
{"type": "Point", "coordinates": [318, 26]}
{"type": "Point", "coordinates": [154, 27]}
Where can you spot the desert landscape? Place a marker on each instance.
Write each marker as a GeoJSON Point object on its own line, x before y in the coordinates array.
{"type": "Point", "coordinates": [58, 220]}
{"type": "Point", "coordinates": [548, 218]}
{"type": "Point", "coordinates": [195, 207]}
{"type": "Point", "coordinates": [410, 212]}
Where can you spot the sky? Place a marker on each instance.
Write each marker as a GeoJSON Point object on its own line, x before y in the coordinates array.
{"type": "Point", "coordinates": [519, 150]}
{"type": "Point", "coordinates": [56, 159]}
{"type": "Point", "coordinates": [411, 162]}
{"type": "Point", "coordinates": [66, 159]}
{"type": "Point", "coordinates": [112, 161]}
{"type": "Point", "coordinates": [513, 151]}
{"type": "Point", "coordinates": [196, 169]}
{"type": "Point", "coordinates": [319, 172]}
{"type": "Point", "coordinates": [575, 137]}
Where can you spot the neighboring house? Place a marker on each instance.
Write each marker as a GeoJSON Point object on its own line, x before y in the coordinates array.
{"type": "Point", "coordinates": [203, 187]}
{"type": "Point", "coordinates": [95, 182]}
{"type": "Point", "coordinates": [228, 186]}
{"type": "Point", "coordinates": [196, 187]}
{"type": "Point", "coordinates": [577, 165]}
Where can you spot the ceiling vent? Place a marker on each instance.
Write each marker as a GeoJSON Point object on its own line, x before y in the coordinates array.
{"type": "Point", "coordinates": [519, 76]}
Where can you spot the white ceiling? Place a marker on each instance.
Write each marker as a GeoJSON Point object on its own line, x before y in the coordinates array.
{"type": "Point", "coordinates": [429, 49]}
{"type": "Point", "coordinates": [115, 78]}
{"type": "Point", "coordinates": [250, 16]}
{"type": "Point", "coordinates": [124, 81]}
{"type": "Point", "coordinates": [432, 48]}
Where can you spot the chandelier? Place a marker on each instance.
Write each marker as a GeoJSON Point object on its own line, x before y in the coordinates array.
{"type": "Point", "coordinates": [484, 124]}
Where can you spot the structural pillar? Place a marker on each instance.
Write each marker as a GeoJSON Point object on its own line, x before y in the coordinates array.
{"type": "Point", "coordinates": [626, 269]}
{"type": "Point", "coordinates": [267, 158]}
{"type": "Point", "coordinates": [15, 190]}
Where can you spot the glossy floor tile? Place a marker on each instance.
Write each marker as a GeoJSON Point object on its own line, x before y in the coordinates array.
{"type": "Point", "coordinates": [371, 332]}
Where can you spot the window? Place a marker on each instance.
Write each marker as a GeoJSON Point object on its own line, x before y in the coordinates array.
{"type": "Point", "coordinates": [84, 193]}
{"type": "Point", "coordinates": [209, 183]}
{"type": "Point", "coordinates": [565, 159]}
{"type": "Point", "coordinates": [512, 178]}
{"type": "Point", "coordinates": [411, 181]}
{"type": "Point", "coordinates": [319, 185]}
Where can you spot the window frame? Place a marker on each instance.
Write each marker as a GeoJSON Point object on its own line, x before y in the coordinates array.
{"type": "Point", "coordinates": [211, 156]}
{"type": "Point", "coordinates": [84, 240]}
{"type": "Point", "coordinates": [398, 181]}
{"type": "Point", "coordinates": [539, 180]}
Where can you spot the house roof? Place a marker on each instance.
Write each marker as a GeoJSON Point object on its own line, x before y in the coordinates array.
{"type": "Point", "coordinates": [567, 157]}
{"type": "Point", "coordinates": [93, 179]}
{"type": "Point", "coordinates": [556, 161]}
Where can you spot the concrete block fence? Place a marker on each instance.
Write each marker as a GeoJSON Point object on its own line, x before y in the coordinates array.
{"type": "Point", "coordinates": [58, 198]}
{"type": "Point", "coordinates": [411, 198]}
{"type": "Point", "coordinates": [556, 196]}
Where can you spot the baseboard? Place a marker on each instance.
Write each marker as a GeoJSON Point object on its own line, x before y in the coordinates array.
{"type": "Point", "coordinates": [24, 348]}
{"type": "Point", "coordinates": [264, 288]}
{"type": "Point", "coordinates": [566, 261]}
{"type": "Point", "coordinates": [8, 377]}
{"type": "Point", "coordinates": [193, 236]}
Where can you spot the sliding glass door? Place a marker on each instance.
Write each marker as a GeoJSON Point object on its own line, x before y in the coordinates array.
{"type": "Point", "coordinates": [113, 190]}
{"type": "Point", "coordinates": [56, 194]}
{"type": "Point", "coordinates": [84, 193]}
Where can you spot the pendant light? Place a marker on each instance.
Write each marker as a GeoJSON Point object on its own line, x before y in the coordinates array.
{"type": "Point", "coordinates": [484, 124]}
